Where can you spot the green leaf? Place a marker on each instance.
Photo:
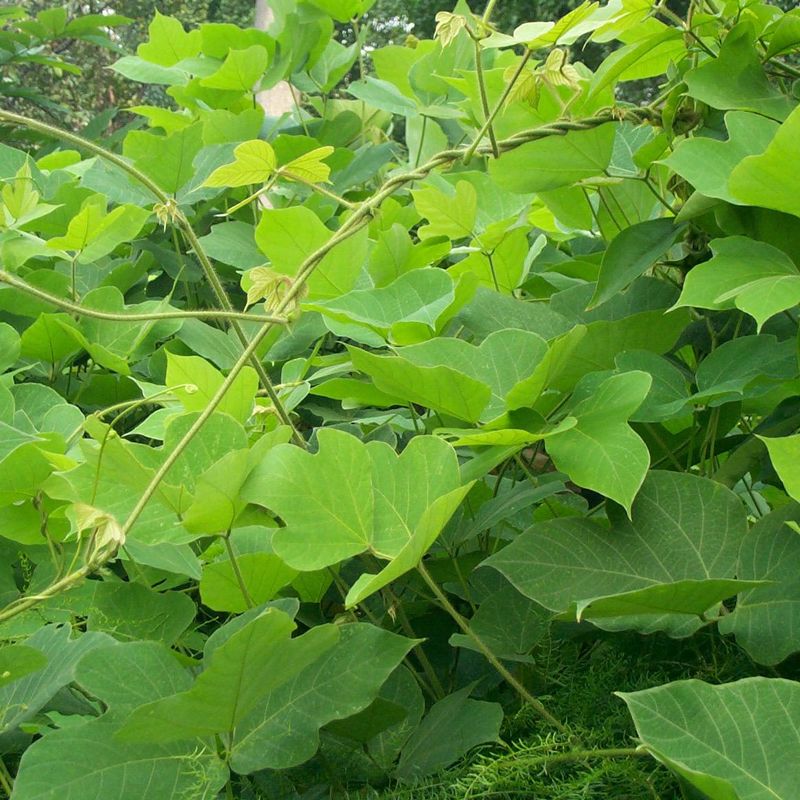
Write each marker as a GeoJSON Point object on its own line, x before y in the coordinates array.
{"type": "Point", "coordinates": [785, 456]}
{"type": "Point", "coordinates": [10, 344]}
{"type": "Point", "coordinates": [167, 160]}
{"type": "Point", "coordinates": [194, 381]}
{"type": "Point", "coordinates": [708, 163]}
{"type": "Point", "coordinates": [753, 276]}
{"type": "Point", "coordinates": [254, 660]}
{"type": "Point", "coordinates": [93, 234]}
{"type": "Point", "coordinates": [555, 161]}
{"type": "Point", "coordinates": [448, 215]}
{"type": "Point", "coordinates": [692, 597]}
{"type": "Point", "coordinates": [310, 166]}
{"type": "Point", "coordinates": [450, 729]}
{"type": "Point", "coordinates": [254, 162]}
{"type": "Point", "coordinates": [411, 309]}
{"type": "Point", "coordinates": [19, 660]}
{"type": "Point", "coordinates": [283, 730]}
{"type": "Point", "coordinates": [25, 697]}
{"type": "Point", "coordinates": [130, 611]}
{"type": "Point", "coordinates": [168, 43]}
{"type": "Point", "coordinates": [123, 676]}
{"type": "Point", "coordinates": [766, 620]}
{"type": "Point", "coordinates": [601, 451]}
{"type": "Point", "coordinates": [682, 528]}
{"type": "Point", "coordinates": [631, 254]}
{"type": "Point", "coordinates": [369, 500]}
{"type": "Point", "coordinates": [240, 71]}
{"type": "Point", "coordinates": [739, 740]}
{"type": "Point", "coordinates": [763, 180]}
{"type": "Point", "coordinates": [735, 79]}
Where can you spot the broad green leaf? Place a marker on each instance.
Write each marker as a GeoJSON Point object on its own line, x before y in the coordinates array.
{"type": "Point", "coordinates": [168, 43]}
{"type": "Point", "coordinates": [420, 539]}
{"type": "Point", "coordinates": [753, 276]}
{"type": "Point", "coordinates": [263, 575]}
{"type": "Point", "coordinates": [93, 234]}
{"type": "Point", "coordinates": [334, 521]}
{"type": "Point", "coordinates": [9, 346]}
{"type": "Point", "coordinates": [283, 730]}
{"type": "Point", "coordinates": [631, 254]}
{"type": "Point", "coordinates": [438, 387]}
{"type": "Point", "coordinates": [168, 160]}
{"type": "Point", "coordinates": [382, 95]}
{"type": "Point", "coordinates": [450, 729]}
{"type": "Point", "coordinates": [735, 79]}
{"type": "Point", "coordinates": [692, 597]}
{"type": "Point", "coordinates": [738, 740]}
{"type": "Point", "coordinates": [411, 309]}
{"type": "Point", "coordinates": [766, 620]}
{"type": "Point", "coordinates": [501, 362]}
{"type": "Point", "coordinates": [601, 451]}
{"type": "Point", "coordinates": [130, 611]}
{"type": "Point", "coordinates": [763, 180]}
{"type": "Point", "coordinates": [707, 163]}
{"type": "Point", "coordinates": [194, 381]}
{"type": "Point", "coordinates": [138, 69]}
{"type": "Point", "coordinates": [785, 456]}
{"type": "Point", "coordinates": [682, 528]}
{"type": "Point", "coordinates": [240, 71]}
{"type": "Point", "coordinates": [18, 660]}
{"type": "Point", "coordinates": [24, 698]}
{"type": "Point", "coordinates": [254, 162]}
{"type": "Point", "coordinates": [554, 161]}
{"type": "Point", "coordinates": [242, 671]}
{"type": "Point", "coordinates": [448, 215]}
{"type": "Point", "coordinates": [369, 499]}
{"type": "Point", "coordinates": [335, 275]}
{"type": "Point", "coordinates": [123, 676]}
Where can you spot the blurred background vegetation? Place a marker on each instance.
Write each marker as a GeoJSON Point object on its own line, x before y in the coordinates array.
{"type": "Point", "coordinates": [56, 67]}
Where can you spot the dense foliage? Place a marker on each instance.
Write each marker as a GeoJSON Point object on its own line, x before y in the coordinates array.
{"type": "Point", "coordinates": [447, 423]}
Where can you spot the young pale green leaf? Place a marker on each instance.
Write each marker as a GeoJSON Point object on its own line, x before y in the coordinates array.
{"type": "Point", "coordinates": [739, 740]}
{"type": "Point", "coordinates": [785, 456]}
{"type": "Point", "coordinates": [243, 670]}
{"type": "Point", "coordinates": [194, 381]}
{"type": "Point", "coordinates": [766, 620]}
{"type": "Point", "coordinates": [254, 162]}
{"type": "Point", "coordinates": [682, 528]}
{"type": "Point", "coordinates": [601, 451]}
{"type": "Point", "coordinates": [240, 71]}
{"type": "Point", "coordinates": [310, 167]}
{"type": "Point", "coordinates": [451, 215]}
{"type": "Point", "coordinates": [168, 43]}
{"type": "Point", "coordinates": [283, 731]}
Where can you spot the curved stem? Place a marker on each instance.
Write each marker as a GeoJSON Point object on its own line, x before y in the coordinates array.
{"type": "Point", "coordinates": [484, 96]}
{"type": "Point", "coordinates": [462, 623]}
{"type": "Point", "coordinates": [496, 110]}
{"type": "Point", "coordinates": [94, 313]}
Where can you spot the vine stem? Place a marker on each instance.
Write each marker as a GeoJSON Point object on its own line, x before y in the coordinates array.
{"type": "Point", "coordinates": [496, 110]}
{"type": "Point", "coordinates": [484, 96]}
{"type": "Point", "coordinates": [94, 313]}
{"type": "Point", "coordinates": [462, 623]}
{"type": "Point", "coordinates": [188, 231]}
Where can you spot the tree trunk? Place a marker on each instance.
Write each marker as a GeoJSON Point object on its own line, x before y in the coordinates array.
{"type": "Point", "coordinates": [277, 100]}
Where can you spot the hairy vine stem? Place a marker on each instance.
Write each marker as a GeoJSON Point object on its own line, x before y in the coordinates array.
{"type": "Point", "coordinates": [95, 313]}
{"type": "Point", "coordinates": [509, 678]}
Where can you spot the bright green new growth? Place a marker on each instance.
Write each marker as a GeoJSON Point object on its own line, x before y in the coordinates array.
{"type": "Point", "coordinates": [419, 419]}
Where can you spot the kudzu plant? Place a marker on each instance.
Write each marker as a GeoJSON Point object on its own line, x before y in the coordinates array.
{"type": "Point", "coordinates": [326, 437]}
